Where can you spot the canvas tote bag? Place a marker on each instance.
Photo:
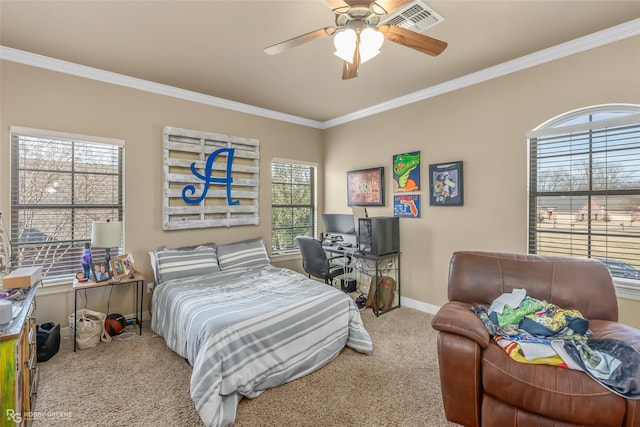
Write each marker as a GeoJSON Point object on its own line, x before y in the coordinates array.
{"type": "Point", "coordinates": [89, 326]}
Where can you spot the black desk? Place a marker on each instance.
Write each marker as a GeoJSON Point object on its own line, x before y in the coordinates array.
{"type": "Point", "coordinates": [379, 261]}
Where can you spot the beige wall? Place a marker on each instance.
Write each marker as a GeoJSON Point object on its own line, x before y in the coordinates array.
{"type": "Point", "coordinates": [33, 97]}
{"type": "Point", "coordinates": [485, 126]}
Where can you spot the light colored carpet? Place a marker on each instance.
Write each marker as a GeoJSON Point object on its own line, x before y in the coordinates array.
{"type": "Point", "coordinates": [138, 381]}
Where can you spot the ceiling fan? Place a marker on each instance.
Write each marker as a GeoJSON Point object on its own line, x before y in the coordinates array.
{"type": "Point", "coordinates": [359, 33]}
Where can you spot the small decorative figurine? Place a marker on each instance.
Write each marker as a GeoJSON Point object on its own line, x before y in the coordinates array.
{"type": "Point", "coordinates": [87, 260]}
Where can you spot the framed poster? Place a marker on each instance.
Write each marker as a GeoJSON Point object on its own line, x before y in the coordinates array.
{"type": "Point", "coordinates": [406, 205]}
{"type": "Point", "coordinates": [365, 187]}
{"type": "Point", "coordinates": [445, 184]}
{"type": "Point", "coordinates": [406, 172]}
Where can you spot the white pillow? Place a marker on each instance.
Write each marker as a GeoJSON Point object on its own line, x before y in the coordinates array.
{"type": "Point", "coordinates": [154, 267]}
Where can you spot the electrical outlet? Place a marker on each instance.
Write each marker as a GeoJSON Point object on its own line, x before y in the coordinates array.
{"type": "Point", "coordinates": [150, 287]}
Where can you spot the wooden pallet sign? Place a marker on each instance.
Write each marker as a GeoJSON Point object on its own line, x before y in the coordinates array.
{"type": "Point", "coordinates": [210, 180]}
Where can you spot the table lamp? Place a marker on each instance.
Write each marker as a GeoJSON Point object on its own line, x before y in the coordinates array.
{"type": "Point", "coordinates": [106, 235]}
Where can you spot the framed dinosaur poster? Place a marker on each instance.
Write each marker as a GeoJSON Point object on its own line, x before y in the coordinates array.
{"type": "Point", "coordinates": [406, 172]}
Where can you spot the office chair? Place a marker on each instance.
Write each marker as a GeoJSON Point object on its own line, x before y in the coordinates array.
{"type": "Point", "coordinates": [315, 262]}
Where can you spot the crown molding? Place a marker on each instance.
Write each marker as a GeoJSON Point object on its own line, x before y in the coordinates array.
{"type": "Point", "coordinates": [53, 64]}
{"type": "Point", "coordinates": [581, 44]}
{"type": "Point", "coordinates": [597, 39]}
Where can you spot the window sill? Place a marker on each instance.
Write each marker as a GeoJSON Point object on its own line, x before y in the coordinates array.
{"type": "Point", "coordinates": [286, 256]}
{"type": "Point", "coordinates": [627, 288]}
{"type": "Point", "coordinates": [57, 287]}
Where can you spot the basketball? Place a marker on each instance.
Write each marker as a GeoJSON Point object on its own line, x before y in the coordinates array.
{"type": "Point", "coordinates": [115, 324]}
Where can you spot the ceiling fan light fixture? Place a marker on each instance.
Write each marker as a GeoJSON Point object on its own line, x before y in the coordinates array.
{"type": "Point", "coordinates": [345, 44]}
{"type": "Point", "coordinates": [370, 43]}
{"type": "Point", "coordinates": [358, 33]}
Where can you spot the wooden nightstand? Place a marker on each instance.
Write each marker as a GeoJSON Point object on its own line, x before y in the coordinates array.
{"type": "Point", "coordinates": [138, 279]}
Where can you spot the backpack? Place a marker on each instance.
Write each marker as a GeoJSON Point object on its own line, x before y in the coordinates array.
{"type": "Point", "coordinates": [387, 290]}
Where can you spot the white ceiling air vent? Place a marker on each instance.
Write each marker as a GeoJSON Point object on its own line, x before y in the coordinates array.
{"type": "Point", "coordinates": [416, 16]}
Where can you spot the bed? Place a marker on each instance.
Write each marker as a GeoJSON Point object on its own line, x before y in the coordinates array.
{"type": "Point", "coordinates": [245, 325]}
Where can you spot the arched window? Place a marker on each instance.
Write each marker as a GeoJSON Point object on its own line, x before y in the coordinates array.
{"type": "Point", "coordinates": [584, 166]}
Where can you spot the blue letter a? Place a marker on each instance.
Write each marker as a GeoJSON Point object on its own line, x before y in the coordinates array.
{"type": "Point", "coordinates": [208, 179]}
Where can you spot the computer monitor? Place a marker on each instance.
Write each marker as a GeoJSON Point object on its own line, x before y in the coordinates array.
{"type": "Point", "coordinates": [338, 224]}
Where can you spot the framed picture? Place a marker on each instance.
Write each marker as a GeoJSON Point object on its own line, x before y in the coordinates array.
{"type": "Point", "coordinates": [100, 272]}
{"type": "Point", "coordinates": [365, 187]}
{"type": "Point", "coordinates": [117, 266]}
{"type": "Point", "coordinates": [129, 266]}
{"type": "Point", "coordinates": [406, 172]}
{"type": "Point", "coordinates": [406, 205]}
{"type": "Point", "coordinates": [445, 184]}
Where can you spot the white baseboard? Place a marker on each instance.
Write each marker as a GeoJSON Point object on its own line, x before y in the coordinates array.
{"type": "Point", "coordinates": [419, 305]}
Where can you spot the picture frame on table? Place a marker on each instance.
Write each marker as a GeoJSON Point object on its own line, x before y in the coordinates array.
{"type": "Point", "coordinates": [100, 272]}
{"type": "Point", "coordinates": [118, 267]}
{"type": "Point", "coordinates": [129, 265]}
{"type": "Point", "coordinates": [446, 184]}
{"type": "Point", "coordinates": [365, 187]}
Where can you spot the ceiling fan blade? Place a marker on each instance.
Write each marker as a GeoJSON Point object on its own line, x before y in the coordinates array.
{"type": "Point", "coordinates": [334, 4]}
{"type": "Point", "coordinates": [297, 41]}
{"type": "Point", "coordinates": [392, 5]}
{"type": "Point", "coordinates": [388, 5]}
{"type": "Point", "coordinates": [417, 41]}
{"type": "Point", "coordinates": [349, 71]}
{"type": "Point", "coordinates": [358, 3]}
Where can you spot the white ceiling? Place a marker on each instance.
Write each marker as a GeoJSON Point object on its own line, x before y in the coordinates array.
{"type": "Point", "coordinates": [216, 47]}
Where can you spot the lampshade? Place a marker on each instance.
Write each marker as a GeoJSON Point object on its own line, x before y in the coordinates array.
{"type": "Point", "coordinates": [370, 42]}
{"type": "Point", "coordinates": [105, 234]}
{"type": "Point", "coordinates": [345, 43]}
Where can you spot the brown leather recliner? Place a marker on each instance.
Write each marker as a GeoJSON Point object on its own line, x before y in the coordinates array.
{"type": "Point", "coordinates": [482, 385]}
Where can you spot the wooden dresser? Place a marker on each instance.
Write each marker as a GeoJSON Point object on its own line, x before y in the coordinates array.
{"type": "Point", "coordinates": [18, 354]}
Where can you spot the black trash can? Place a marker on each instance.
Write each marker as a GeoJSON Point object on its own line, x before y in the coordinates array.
{"type": "Point", "coordinates": [48, 341]}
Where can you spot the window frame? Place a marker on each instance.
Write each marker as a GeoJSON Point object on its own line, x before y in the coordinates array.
{"type": "Point", "coordinates": [630, 116]}
{"type": "Point", "coordinates": [313, 205]}
{"type": "Point", "coordinates": [117, 207]}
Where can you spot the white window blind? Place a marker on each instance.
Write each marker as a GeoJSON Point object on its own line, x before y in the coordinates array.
{"type": "Point", "coordinates": [59, 186]}
{"type": "Point", "coordinates": [293, 207]}
{"type": "Point", "coordinates": [584, 188]}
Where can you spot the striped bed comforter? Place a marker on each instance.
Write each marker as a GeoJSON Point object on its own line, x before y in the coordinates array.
{"type": "Point", "coordinates": [244, 331]}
